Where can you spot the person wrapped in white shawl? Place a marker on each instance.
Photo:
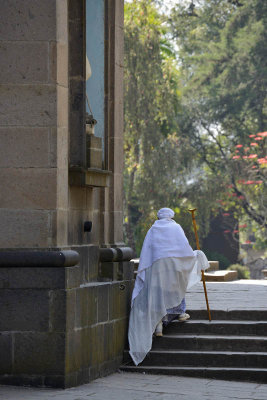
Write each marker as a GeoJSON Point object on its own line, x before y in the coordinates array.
{"type": "Point", "coordinates": [168, 267]}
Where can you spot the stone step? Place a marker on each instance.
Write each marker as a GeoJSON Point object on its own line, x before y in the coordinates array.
{"type": "Point", "coordinates": [258, 375]}
{"type": "Point", "coordinates": [244, 315]}
{"type": "Point", "coordinates": [213, 343]}
{"type": "Point", "coordinates": [221, 276]}
{"type": "Point", "coordinates": [229, 359]}
{"type": "Point", "coordinates": [214, 266]}
{"type": "Point", "coordinates": [217, 327]}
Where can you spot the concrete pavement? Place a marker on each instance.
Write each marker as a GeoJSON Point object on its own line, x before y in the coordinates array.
{"type": "Point", "coordinates": [133, 386]}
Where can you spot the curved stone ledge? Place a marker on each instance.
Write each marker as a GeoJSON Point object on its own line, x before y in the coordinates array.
{"type": "Point", "coordinates": [66, 258]}
{"type": "Point", "coordinates": [116, 254]}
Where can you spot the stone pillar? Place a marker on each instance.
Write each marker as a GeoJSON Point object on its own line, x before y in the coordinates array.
{"type": "Point", "coordinates": [63, 323]}
{"type": "Point", "coordinates": [115, 119]}
{"type": "Point", "coordinates": [33, 123]}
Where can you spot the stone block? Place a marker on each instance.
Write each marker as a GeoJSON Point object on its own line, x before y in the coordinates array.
{"type": "Point", "coordinates": [24, 310]}
{"type": "Point", "coordinates": [77, 197]}
{"type": "Point", "coordinates": [116, 224]}
{"type": "Point", "coordinates": [115, 295]}
{"type": "Point", "coordinates": [213, 266]}
{"type": "Point", "coordinates": [60, 228]}
{"type": "Point", "coordinates": [32, 188]}
{"type": "Point", "coordinates": [32, 278]}
{"type": "Point", "coordinates": [62, 148]}
{"type": "Point", "coordinates": [86, 347]}
{"type": "Point", "coordinates": [109, 271]}
{"type": "Point", "coordinates": [6, 353]}
{"type": "Point", "coordinates": [117, 158]}
{"type": "Point", "coordinates": [38, 353]}
{"type": "Point", "coordinates": [24, 147]}
{"type": "Point", "coordinates": [83, 376]}
{"type": "Point", "coordinates": [24, 228]}
{"type": "Point", "coordinates": [62, 106]}
{"type": "Point", "coordinates": [89, 197]}
{"type": "Point", "coordinates": [22, 380]}
{"type": "Point", "coordinates": [77, 122]}
{"type": "Point", "coordinates": [57, 311]}
{"type": "Point", "coordinates": [76, 36]}
{"type": "Point", "coordinates": [71, 380]}
{"type": "Point", "coordinates": [119, 13]}
{"type": "Point", "coordinates": [58, 63]}
{"type": "Point", "coordinates": [93, 258]}
{"type": "Point", "coordinates": [119, 45]}
{"type": "Point", "coordinates": [74, 351]}
{"type": "Point", "coordinates": [93, 151]}
{"type": "Point", "coordinates": [62, 188]}
{"type": "Point", "coordinates": [75, 227]}
{"type": "Point", "coordinates": [92, 304]}
{"type": "Point", "coordinates": [126, 270]}
{"type": "Point", "coordinates": [54, 381]}
{"type": "Point", "coordinates": [116, 191]}
{"type": "Point", "coordinates": [102, 302]}
{"type": "Point", "coordinates": [22, 62]}
{"type": "Point", "coordinates": [118, 96]}
{"type": "Point", "coordinates": [70, 309]}
{"type": "Point", "coordinates": [30, 20]}
{"type": "Point", "coordinates": [81, 317]}
{"type": "Point", "coordinates": [94, 158]}
{"type": "Point", "coordinates": [97, 340]}
{"type": "Point", "coordinates": [28, 105]}
{"type": "Point", "coordinates": [120, 334]}
{"type": "Point", "coordinates": [221, 276]}
{"type": "Point", "coordinates": [73, 277]}
{"type": "Point", "coordinates": [84, 262]}
{"type": "Point", "coordinates": [62, 20]}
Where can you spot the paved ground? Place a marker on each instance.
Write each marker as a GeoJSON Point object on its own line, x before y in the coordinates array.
{"type": "Point", "coordinates": [132, 386]}
{"type": "Point", "coordinates": [239, 295]}
{"type": "Point", "coordinates": [236, 295]}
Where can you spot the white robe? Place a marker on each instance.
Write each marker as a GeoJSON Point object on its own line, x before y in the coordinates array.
{"type": "Point", "coordinates": [168, 267]}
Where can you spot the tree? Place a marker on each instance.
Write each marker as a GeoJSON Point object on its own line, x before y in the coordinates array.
{"type": "Point", "coordinates": [158, 160]}
{"type": "Point", "coordinates": [222, 50]}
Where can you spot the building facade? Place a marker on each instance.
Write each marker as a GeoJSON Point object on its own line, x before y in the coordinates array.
{"type": "Point", "coordinates": [65, 275]}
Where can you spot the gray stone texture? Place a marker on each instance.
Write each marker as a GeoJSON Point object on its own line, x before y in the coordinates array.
{"type": "Point", "coordinates": [6, 352]}
{"type": "Point", "coordinates": [32, 278]}
{"type": "Point", "coordinates": [39, 353]}
{"type": "Point", "coordinates": [24, 310]}
{"type": "Point", "coordinates": [24, 62]}
{"type": "Point", "coordinates": [28, 188]}
{"type": "Point", "coordinates": [35, 144]}
{"type": "Point", "coordinates": [28, 105]}
{"type": "Point", "coordinates": [256, 267]}
{"type": "Point", "coordinates": [30, 20]}
{"type": "Point", "coordinates": [25, 228]}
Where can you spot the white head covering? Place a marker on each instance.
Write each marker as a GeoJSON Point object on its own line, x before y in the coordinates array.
{"type": "Point", "coordinates": [165, 213]}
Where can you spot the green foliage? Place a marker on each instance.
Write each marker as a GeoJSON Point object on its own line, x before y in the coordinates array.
{"type": "Point", "coordinates": [194, 90]}
{"type": "Point", "coordinates": [215, 256]}
{"type": "Point", "coordinates": [242, 271]}
{"type": "Point", "coordinates": [222, 50]}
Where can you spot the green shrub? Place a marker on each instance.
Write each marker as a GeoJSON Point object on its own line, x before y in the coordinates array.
{"type": "Point", "coordinates": [214, 256]}
{"type": "Point", "coordinates": [242, 271]}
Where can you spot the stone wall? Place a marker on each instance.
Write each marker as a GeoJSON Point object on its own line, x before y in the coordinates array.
{"type": "Point", "coordinates": [59, 326]}
{"type": "Point", "coordinates": [63, 326]}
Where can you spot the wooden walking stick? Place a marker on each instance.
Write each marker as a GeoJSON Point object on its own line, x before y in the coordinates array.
{"type": "Point", "coordinates": [192, 210]}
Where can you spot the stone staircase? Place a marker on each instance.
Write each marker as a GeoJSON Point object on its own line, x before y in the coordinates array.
{"type": "Point", "coordinates": [233, 346]}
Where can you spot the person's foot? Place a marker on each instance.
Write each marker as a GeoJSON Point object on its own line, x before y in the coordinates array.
{"type": "Point", "coordinates": [158, 330]}
{"type": "Point", "coordinates": [184, 317]}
